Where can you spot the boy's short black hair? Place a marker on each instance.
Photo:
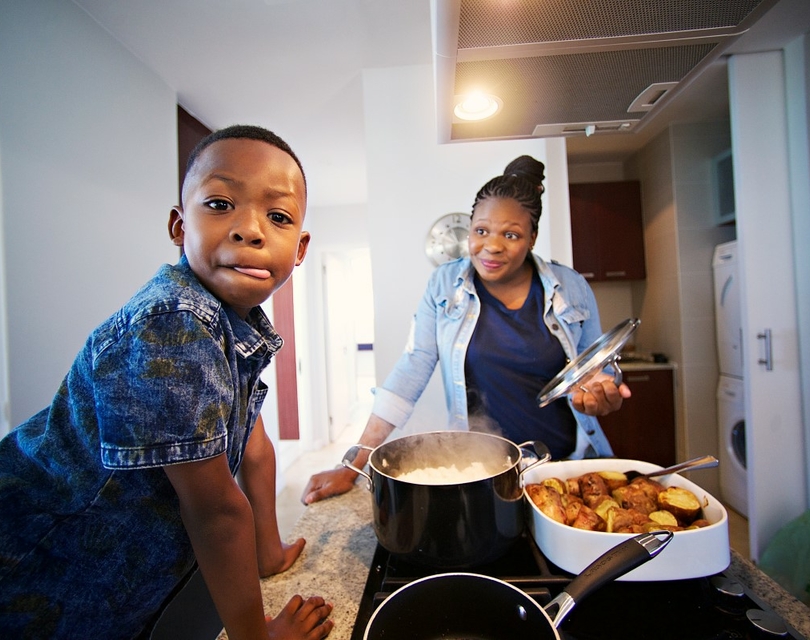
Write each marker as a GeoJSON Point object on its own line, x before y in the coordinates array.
{"type": "Point", "coordinates": [251, 132]}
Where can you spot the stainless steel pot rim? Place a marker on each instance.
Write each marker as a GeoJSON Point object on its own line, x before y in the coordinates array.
{"type": "Point", "coordinates": [514, 457]}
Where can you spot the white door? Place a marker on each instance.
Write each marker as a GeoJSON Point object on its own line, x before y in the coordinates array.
{"type": "Point", "coordinates": [774, 428]}
{"type": "Point", "coordinates": [338, 341]}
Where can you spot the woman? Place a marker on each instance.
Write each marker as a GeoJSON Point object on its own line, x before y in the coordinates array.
{"type": "Point", "coordinates": [501, 324]}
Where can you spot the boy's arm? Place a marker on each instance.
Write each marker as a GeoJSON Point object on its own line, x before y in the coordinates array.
{"type": "Point", "coordinates": [257, 475]}
{"type": "Point", "coordinates": [219, 522]}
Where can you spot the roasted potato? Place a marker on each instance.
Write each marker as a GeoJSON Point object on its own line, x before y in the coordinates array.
{"type": "Point", "coordinates": [664, 518]}
{"type": "Point", "coordinates": [558, 485]}
{"type": "Point", "coordinates": [634, 497]}
{"type": "Point", "coordinates": [606, 501]}
{"type": "Point", "coordinates": [613, 479]}
{"type": "Point", "coordinates": [592, 485]}
{"type": "Point", "coordinates": [649, 486]}
{"type": "Point", "coordinates": [588, 519]}
{"type": "Point", "coordinates": [547, 500]}
{"type": "Point", "coordinates": [682, 503]}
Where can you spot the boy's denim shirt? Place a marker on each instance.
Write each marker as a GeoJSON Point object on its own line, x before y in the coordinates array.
{"type": "Point", "coordinates": [91, 539]}
{"type": "Point", "coordinates": [442, 329]}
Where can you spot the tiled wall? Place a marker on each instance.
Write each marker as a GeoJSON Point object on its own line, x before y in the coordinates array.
{"type": "Point", "coordinates": [676, 302]}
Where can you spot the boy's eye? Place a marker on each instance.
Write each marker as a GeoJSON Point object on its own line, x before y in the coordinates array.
{"type": "Point", "coordinates": [278, 217]}
{"type": "Point", "coordinates": [218, 205]}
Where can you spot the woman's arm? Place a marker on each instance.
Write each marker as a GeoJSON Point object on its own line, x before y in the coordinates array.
{"type": "Point", "coordinates": [337, 481]}
{"type": "Point", "coordinates": [257, 475]}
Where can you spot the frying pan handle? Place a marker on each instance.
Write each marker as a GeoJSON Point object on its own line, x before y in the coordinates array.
{"type": "Point", "coordinates": [615, 562]}
{"type": "Point", "coordinates": [348, 462]}
{"type": "Point", "coordinates": [536, 450]}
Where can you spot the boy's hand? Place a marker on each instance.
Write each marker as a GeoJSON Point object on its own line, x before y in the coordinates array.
{"type": "Point", "coordinates": [301, 620]}
{"type": "Point", "coordinates": [289, 554]}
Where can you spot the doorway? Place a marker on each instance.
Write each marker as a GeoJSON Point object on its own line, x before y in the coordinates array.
{"type": "Point", "coordinates": [349, 337]}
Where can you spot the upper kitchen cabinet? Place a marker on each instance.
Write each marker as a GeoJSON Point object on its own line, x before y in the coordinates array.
{"type": "Point", "coordinates": [607, 230]}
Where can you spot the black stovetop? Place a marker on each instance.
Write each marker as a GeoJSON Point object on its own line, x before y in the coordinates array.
{"type": "Point", "coordinates": [710, 608]}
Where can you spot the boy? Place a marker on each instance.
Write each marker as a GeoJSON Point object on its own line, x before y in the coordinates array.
{"type": "Point", "coordinates": [108, 496]}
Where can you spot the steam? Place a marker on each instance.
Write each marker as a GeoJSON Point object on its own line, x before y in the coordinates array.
{"type": "Point", "coordinates": [438, 449]}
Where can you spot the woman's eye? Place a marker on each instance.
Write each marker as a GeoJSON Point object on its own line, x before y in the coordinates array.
{"type": "Point", "coordinates": [479, 232]}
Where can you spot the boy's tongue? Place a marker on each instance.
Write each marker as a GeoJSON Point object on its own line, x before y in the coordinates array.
{"type": "Point", "coordinates": [256, 273]}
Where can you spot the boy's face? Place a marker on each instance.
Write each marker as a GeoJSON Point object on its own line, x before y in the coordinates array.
{"type": "Point", "coordinates": [240, 223]}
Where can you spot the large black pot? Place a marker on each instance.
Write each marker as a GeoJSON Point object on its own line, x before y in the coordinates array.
{"type": "Point", "coordinates": [448, 526]}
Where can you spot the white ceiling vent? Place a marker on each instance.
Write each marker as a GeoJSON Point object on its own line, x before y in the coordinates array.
{"type": "Point", "coordinates": [575, 67]}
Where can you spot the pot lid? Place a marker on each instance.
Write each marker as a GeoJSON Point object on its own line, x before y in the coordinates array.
{"type": "Point", "coordinates": [603, 352]}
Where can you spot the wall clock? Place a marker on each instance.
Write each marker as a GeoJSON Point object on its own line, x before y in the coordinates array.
{"type": "Point", "coordinates": [447, 238]}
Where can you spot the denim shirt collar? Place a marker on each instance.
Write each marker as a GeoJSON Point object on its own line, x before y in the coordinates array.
{"type": "Point", "coordinates": [463, 278]}
{"type": "Point", "coordinates": [253, 335]}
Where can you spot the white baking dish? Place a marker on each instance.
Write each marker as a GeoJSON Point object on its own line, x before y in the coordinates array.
{"type": "Point", "coordinates": [691, 554]}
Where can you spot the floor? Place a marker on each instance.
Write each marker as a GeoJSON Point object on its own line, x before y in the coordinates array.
{"type": "Point", "coordinates": [289, 507]}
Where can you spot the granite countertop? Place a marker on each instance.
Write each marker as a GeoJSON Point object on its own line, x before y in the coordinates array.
{"type": "Point", "coordinates": [341, 544]}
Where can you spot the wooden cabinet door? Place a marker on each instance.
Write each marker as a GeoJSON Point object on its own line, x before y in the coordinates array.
{"type": "Point", "coordinates": [644, 428]}
{"type": "Point", "coordinates": [607, 230]}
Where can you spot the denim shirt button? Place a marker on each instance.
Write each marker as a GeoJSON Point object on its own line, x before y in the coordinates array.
{"type": "Point", "coordinates": [555, 327]}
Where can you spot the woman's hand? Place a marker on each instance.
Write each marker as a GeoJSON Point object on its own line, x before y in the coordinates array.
{"type": "Point", "coordinates": [327, 484]}
{"type": "Point", "coordinates": [599, 396]}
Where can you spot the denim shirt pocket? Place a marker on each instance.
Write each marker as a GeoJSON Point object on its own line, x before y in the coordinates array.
{"type": "Point", "coordinates": [574, 316]}
{"type": "Point", "coordinates": [453, 309]}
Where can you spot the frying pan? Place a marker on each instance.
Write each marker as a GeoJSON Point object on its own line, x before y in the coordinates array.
{"type": "Point", "coordinates": [471, 606]}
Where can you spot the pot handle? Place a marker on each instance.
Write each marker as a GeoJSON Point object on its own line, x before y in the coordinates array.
{"type": "Point", "coordinates": [348, 462]}
{"type": "Point", "coordinates": [539, 451]}
{"type": "Point", "coordinates": [612, 564]}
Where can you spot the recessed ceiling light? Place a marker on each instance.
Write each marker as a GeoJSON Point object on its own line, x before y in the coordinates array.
{"type": "Point", "coordinates": [477, 106]}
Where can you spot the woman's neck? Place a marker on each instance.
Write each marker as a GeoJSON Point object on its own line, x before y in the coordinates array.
{"type": "Point", "coordinates": [512, 293]}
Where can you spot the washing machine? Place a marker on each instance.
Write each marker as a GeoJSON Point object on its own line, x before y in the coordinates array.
{"type": "Point", "coordinates": [731, 419]}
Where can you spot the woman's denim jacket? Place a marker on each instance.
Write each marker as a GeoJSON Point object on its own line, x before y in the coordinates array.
{"type": "Point", "coordinates": [442, 329]}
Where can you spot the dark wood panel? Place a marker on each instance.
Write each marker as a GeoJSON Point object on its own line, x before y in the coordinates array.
{"type": "Point", "coordinates": [189, 132]}
{"type": "Point", "coordinates": [607, 230]}
{"type": "Point", "coordinates": [644, 428]}
{"type": "Point", "coordinates": [286, 363]}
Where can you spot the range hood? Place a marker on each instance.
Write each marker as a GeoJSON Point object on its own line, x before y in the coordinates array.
{"type": "Point", "coordinates": [575, 67]}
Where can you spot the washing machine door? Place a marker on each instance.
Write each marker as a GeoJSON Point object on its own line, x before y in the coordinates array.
{"type": "Point", "coordinates": [731, 429]}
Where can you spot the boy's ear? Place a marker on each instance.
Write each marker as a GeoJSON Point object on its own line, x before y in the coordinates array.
{"type": "Point", "coordinates": [176, 232]}
{"type": "Point", "coordinates": [303, 243]}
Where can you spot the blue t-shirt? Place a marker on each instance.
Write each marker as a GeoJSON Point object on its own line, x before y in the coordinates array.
{"type": "Point", "coordinates": [91, 539]}
{"type": "Point", "coordinates": [511, 357]}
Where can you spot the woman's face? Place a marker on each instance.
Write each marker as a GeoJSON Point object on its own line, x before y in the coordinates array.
{"type": "Point", "coordinates": [501, 237]}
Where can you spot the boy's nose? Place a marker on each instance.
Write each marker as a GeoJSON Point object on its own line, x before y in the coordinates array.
{"type": "Point", "coordinates": [247, 229]}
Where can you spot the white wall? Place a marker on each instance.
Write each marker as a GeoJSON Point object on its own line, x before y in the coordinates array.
{"type": "Point", "coordinates": [88, 145]}
{"type": "Point", "coordinates": [412, 181]}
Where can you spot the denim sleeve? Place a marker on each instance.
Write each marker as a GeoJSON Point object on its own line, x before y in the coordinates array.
{"type": "Point", "coordinates": [163, 393]}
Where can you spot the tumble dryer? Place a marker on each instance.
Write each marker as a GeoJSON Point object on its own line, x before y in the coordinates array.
{"type": "Point", "coordinates": [730, 391]}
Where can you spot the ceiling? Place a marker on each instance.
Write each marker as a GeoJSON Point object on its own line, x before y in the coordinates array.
{"type": "Point", "coordinates": [295, 66]}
